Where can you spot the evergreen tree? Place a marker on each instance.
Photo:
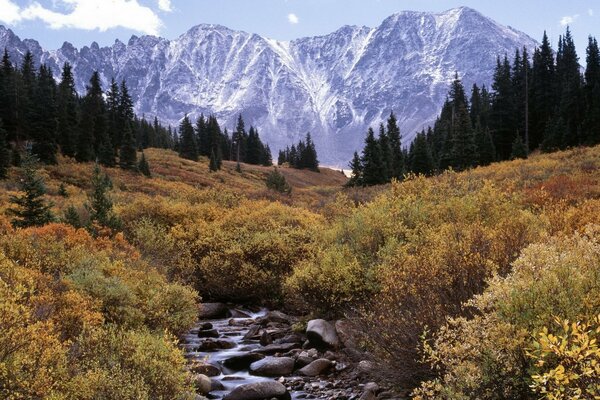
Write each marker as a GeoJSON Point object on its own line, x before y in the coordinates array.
{"type": "Point", "coordinates": [503, 113]}
{"type": "Point", "coordinates": [4, 153]}
{"type": "Point", "coordinates": [421, 161]}
{"type": "Point", "coordinates": [215, 159]}
{"type": "Point", "coordinates": [569, 82]}
{"type": "Point", "coordinates": [357, 171]}
{"type": "Point", "coordinates": [276, 181]}
{"type": "Point", "coordinates": [62, 190]}
{"type": "Point", "coordinates": [100, 206]}
{"type": "Point", "coordinates": [30, 207]}
{"type": "Point", "coordinates": [43, 114]}
{"type": "Point", "coordinates": [372, 163]}
{"type": "Point", "coordinates": [395, 143]}
{"type": "Point", "coordinates": [485, 145]}
{"type": "Point", "coordinates": [518, 148]}
{"type": "Point", "coordinates": [553, 139]}
{"type": "Point", "coordinates": [386, 154]}
{"type": "Point", "coordinates": [464, 150]}
{"type": "Point", "coordinates": [66, 101]}
{"type": "Point", "coordinates": [188, 148]}
{"type": "Point", "coordinates": [92, 121]}
{"type": "Point", "coordinates": [281, 158]}
{"type": "Point", "coordinates": [543, 92]}
{"type": "Point", "coordinates": [114, 123]}
{"type": "Point", "coordinates": [128, 151]}
{"type": "Point", "coordinates": [239, 140]}
{"type": "Point", "coordinates": [72, 217]}
{"type": "Point", "coordinates": [143, 166]}
{"type": "Point", "coordinates": [591, 123]}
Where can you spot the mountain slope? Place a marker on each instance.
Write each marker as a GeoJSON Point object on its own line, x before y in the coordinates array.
{"type": "Point", "coordinates": [334, 86]}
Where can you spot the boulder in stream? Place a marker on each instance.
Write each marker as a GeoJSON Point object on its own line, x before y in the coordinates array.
{"type": "Point", "coordinates": [243, 361]}
{"type": "Point", "coordinates": [321, 333]}
{"type": "Point", "coordinates": [213, 311]}
{"type": "Point", "coordinates": [273, 366]}
{"type": "Point", "coordinates": [259, 391]}
{"type": "Point", "coordinates": [316, 367]}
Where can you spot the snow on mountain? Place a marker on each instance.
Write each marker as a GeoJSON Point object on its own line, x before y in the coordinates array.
{"type": "Point", "coordinates": [334, 86]}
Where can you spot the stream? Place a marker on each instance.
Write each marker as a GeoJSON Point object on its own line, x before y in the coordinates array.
{"type": "Point", "coordinates": [231, 333]}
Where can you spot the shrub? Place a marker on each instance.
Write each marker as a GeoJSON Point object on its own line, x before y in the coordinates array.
{"type": "Point", "coordinates": [276, 181]}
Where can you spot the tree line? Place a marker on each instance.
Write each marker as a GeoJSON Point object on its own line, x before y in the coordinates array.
{"type": "Point", "coordinates": [543, 102]}
{"type": "Point", "coordinates": [44, 117]}
{"type": "Point", "coordinates": [207, 139]}
{"type": "Point", "coordinates": [302, 155]}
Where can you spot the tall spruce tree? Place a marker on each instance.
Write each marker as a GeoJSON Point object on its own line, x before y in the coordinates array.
{"type": "Point", "coordinates": [144, 167]}
{"type": "Point", "coordinates": [503, 113]}
{"type": "Point", "coordinates": [569, 82]}
{"type": "Point", "coordinates": [67, 103]}
{"type": "Point", "coordinates": [395, 141]}
{"type": "Point", "coordinates": [542, 92]}
{"type": "Point", "coordinates": [372, 162]}
{"type": "Point", "coordinates": [357, 171]}
{"type": "Point", "coordinates": [386, 154]}
{"type": "Point", "coordinates": [591, 123]}
{"type": "Point", "coordinates": [421, 161]}
{"type": "Point", "coordinates": [464, 150]}
{"type": "Point", "coordinates": [30, 207]}
{"type": "Point", "coordinates": [128, 150]}
{"type": "Point", "coordinates": [43, 114]}
{"type": "Point", "coordinates": [188, 148]}
{"type": "Point", "coordinates": [518, 148]}
{"type": "Point", "coordinates": [485, 145]}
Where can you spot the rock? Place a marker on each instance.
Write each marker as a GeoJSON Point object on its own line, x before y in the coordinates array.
{"type": "Point", "coordinates": [368, 396]}
{"type": "Point", "coordinates": [316, 367]}
{"type": "Point", "coordinates": [371, 387]}
{"type": "Point", "coordinates": [239, 314]}
{"type": "Point", "coordinates": [277, 316]}
{"type": "Point", "coordinates": [206, 369]}
{"type": "Point", "coordinates": [210, 333]}
{"type": "Point", "coordinates": [322, 333]}
{"type": "Point", "coordinates": [216, 385]}
{"type": "Point", "coordinates": [208, 345]}
{"type": "Point", "coordinates": [238, 363]}
{"type": "Point", "coordinates": [291, 338]}
{"type": "Point", "coordinates": [241, 322]}
{"type": "Point", "coordinates": [206, 326]}
{"type": "Point", "coordinates": [265, 339]}
{"type": "Point", "coordinates": [276, 348]}
{"type": "Point", "coordinates": [253, 333]}
{"type": "Point", "coordinates": [213, 311]}
{"type": "Point", "coordinates": [303, 361]}
{"type": "Point", "coordinates": [365, 367]}
{"type": "Point", "coordinates": [202, 383]}
{"type": "Point", "coordinates": [259, 391]}
{"type": "Point", "coordinates": [273, 366]}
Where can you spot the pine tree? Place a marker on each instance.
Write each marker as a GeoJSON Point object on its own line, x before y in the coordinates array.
{"type": "Point", "coordinates": [464, 150]}
{"type": "Point", "coordinates": [276, 181]}
{"type": "Point", "coordinates": [66, 100]}
{"type": "Point", "coordinates": [188, 148]}
{"type": "Point", "coordinates": [555, 129]}
{"type": "Point", "coordinates": [542, 92]}
{"type": "Point", "coordinates": [30, 207]}
{"type": "Point", "coordinates": [215, 160]}
{"type": "Point", "coordinates": [372, 163]}
{"type": "Point", "coordinates": [357, 171]}
{"type": "Point", "coordinates": [386, 154]}
{"type": "Point", "coordinates": [503, 110]}
{"type": "Point", "coordinates": [71, 217]}
{"type": "Point", "coordinates": [395, 142]}
{"type": "Point", "coordinates": [128, 150]}
{"type": "Point", "coordinates": [485, 145]}
{"type": "Point", "coordinates": [43, 114]}
{"type": "Point", "coordinates": [143, 166]}
{"type": "Point", "coordinates": [239, 141]}
{"type": "Point", "coordinates": [421, 161]}
{"type": "Point", "coordinates": [100, 206]}
{"type": "Point", "coordinates": [4, 153]}
{"type": "Point", "coordinates": [591, 123]}
{"type": "Point", "coordinates": [518, 148]}
{"type": "Point", "coordinates": [569, 82]}
{"type": "Point", "coordinates": [62, 190]}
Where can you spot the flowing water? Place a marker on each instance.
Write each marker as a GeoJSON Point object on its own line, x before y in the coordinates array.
{"type": "Point", "coordinates": [232, 330]}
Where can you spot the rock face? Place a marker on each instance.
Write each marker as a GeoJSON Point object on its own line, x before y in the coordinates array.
{"type": "Point", "coordinates": [259, 391]}
{"type": "Point", "coordinates": [273, 366]}
{"type": "Point", "coordinates": [334, 86]}
{"type": "Point", "coordinates": [322, 333]}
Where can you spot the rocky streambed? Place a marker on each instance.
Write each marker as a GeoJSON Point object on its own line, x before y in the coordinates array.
{"type": "Point", "coordinates": [238, 354]}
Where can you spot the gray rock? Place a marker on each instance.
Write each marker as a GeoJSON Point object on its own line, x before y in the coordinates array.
{"type": "Point", "coordinates": [277, 348]}
{"type": "Point", "coordinates": [239, 314]}
{"type": "Point", "coordinates": [273, 366]}
{"type": "Point", "coordinates": [243, 361]}
{"type": "Point", "coordinates": [321, 333]}
{"type": "Point", "coordinates": [259, 391]}
{"type": "Point", "coordinates": [202, 383]}
{"type": "Point", "coordinates": [206, 369]}
{"type": "Point", "coordinates": [316, 367]}
{"type": "Point", "coordinates": [213, 311]}
{"type": "Point", "coordinates": [209, 333]}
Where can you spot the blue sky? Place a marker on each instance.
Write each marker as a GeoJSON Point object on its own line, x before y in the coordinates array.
{"type": "Point", "coordinates": [80, 22]}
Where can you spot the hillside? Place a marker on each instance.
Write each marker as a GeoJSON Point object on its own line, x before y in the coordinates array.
{"type": "Point", "coordinates": [442, 284]}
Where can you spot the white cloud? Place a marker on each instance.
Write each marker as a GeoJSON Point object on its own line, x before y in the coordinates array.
{"type": "Point", "coordinates": [165, 5]}
{"type": "Point", "coordinates": [568, 19]}
{"type": "Point", "coordinates": [293, 18]}
{"type": "Point", "coordinates": [590, 12]}
{"type": "Point", "coordinates": [88, 15]}
{"type": "Point", "coordinates": [9, 12]}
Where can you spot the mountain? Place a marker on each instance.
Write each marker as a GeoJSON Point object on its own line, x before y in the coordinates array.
{"type": "Point", "coordinates": [334, 86]}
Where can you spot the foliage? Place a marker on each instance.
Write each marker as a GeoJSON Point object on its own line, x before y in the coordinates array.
{"type": "Point", "coordinates": [276, 181]}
